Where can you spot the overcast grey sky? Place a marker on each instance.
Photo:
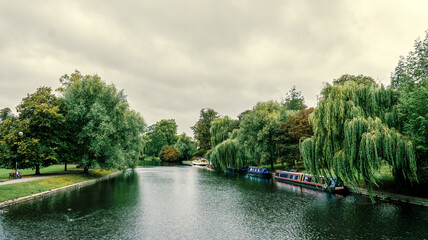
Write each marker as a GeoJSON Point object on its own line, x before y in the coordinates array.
{"type": "Point", "coordinates": [174, 58]}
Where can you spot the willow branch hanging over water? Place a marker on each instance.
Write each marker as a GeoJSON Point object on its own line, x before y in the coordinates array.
{"type": "Point", "coordinates": [227, 153]}
{"type": "Point", "coordinates": [354, 131]}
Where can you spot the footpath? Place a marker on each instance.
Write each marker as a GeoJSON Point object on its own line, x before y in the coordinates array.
{"type": "Point", "coordinates": [26, 179]}
{"type": "Point", "coordinates": [393, 197]}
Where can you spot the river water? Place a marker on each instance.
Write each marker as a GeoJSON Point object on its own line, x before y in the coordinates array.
{"type": "Point", "coordinates": [192, 203]}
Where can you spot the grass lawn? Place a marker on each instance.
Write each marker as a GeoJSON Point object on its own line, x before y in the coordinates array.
{"type": "Point", "coordinates": [4, 173]}
{"type": "Point", "coordinates": [16, 190]}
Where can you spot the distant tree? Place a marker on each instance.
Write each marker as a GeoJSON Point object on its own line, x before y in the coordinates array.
{"type": "Point", "coordinates": [40, 122]}
{"type": "Point", "coordinates": [294, 100]}
{"type": "Point", "coordinates": [414, 67]}
{"type": "Point", "coordinates": [163, 133]}
{"type": "Point", "coordinates": [201, 130]}
{"type": "Point", "coordinates": [185, 146]}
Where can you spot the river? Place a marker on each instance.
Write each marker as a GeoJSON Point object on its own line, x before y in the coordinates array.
{"type": "Point", "coordinates": [181, 202]}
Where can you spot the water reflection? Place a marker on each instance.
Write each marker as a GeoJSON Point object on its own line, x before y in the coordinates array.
{"type": "Point", "coordinates": [191, 203]}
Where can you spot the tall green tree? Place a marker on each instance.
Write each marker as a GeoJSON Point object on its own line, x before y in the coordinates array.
{"type": "Point", "coordinates": [413, 68]}
{"type": "Point", "coordinates": [257, 133]}
{"type": "Point", "coordinates": [413, 113]}
{"type": "Point", "coordinates": [185, 146]}
{"type": "Point", "coordinates": [39, 122]}
{"type": "Point", "coordinates": [107, 132]}
{"type": "Point", "coordinates": [410, 78]}
{"type": "Point", "coordinates": [201, 130]}
{"type": "Point", "coordinates": [221, 129]}
{"type": "Point", "coordinates": [354, 132]}
{"type": "Point", "coordinates": [163, 133]}
{"type": "Point", "coordinates": [9, 139]}
{"type": "Point", "coordinates": [295, 127]}
{"type": "Point", "coordinates": [294, 100]}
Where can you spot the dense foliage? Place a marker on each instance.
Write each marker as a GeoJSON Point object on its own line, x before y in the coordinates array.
{"type": "Point", "coordinates": [185, 146]}
{"type": "Point", "coordinates": [163, 133]}
{"type": "Point", "coordinates": [201, 130]}
{"type": "Point", "coordinates": [267, 134]}
{"type": "Point", "coordinates": [295, 127]}
{"type": "Point", "coordinates": [410, 78]}
{"type": "Point", "coordinates": [221, 128]}
{"type": "Point", "coordinates": [33, 138]}
{"type": "Point", "coordinates": [90, 124]}
{"type": "Point", "coordinates": [354, 132]}
{"type": "Point", "coordinates": [413, 68]}
{"type": "Point", "coordinates": [413, 113]}
{"type": "Point", "coordinates": [107, 132]}
{"type": "Point", "coordinates": [169, 154]}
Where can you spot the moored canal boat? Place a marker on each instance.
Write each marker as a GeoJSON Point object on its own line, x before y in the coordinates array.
{"type": "Point", "coordinates": [333, 184]}
{"type": "Point", "coordinates": [258, 172]}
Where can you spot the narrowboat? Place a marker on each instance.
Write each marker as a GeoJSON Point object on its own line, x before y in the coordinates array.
{"type": "Point", "coordinates": [333, 184]}
{"type": "Point", "coordinates": [259, 172]}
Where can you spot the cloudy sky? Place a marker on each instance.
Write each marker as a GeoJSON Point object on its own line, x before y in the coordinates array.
{"type": "Point", "coordinates": [174, 58]}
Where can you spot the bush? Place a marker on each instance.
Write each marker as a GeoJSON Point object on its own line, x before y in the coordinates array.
{"type": "Point", "coordinates": [169, 154]}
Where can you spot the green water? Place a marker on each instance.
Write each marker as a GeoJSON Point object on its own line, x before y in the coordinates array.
{"type": "Point", "coordinates": [192, 203]}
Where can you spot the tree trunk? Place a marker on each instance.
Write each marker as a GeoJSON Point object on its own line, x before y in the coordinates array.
{"type": "Point", "coordinates": [271, 166]}
{"type": "Point", "coordinates": [37, 169]}
{"type": "Point", "coordinates": [65, 166]}
{"type": "Point", "coordinates": [86, 169]}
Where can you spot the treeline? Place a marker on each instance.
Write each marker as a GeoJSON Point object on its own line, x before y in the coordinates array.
{"type": "Point", "coordinates": [357, 126]}
{"type": "Point", "coordinates": [161, 141]}
{"type": "Point", "coordinates": [90, 123]}
{"type": "Point", "coordinates": [268, 134]}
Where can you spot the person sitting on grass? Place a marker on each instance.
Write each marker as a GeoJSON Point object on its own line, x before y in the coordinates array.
{"type": "Point", "coordinates": [18, 174]}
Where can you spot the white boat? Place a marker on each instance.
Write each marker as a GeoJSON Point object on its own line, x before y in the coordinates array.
{"type": "Point", "coordinates": [200, 162]}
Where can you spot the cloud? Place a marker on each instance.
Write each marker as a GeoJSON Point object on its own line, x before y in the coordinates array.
{"type": "Point", "coordinates": [174, 58]}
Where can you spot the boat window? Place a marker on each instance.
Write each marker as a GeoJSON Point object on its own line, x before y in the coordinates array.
{"type": "Point", "coordinates": [309, 179]}
{"type": "Point", "coordinates": [296, 177]}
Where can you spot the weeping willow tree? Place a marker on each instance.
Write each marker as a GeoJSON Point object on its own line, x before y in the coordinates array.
{"type": "Point", "coordinates": [227, 153]}
{"type": "Point", "coordinates": [354, 131]}
{"type": "Point", "coordinates": [221, 128]}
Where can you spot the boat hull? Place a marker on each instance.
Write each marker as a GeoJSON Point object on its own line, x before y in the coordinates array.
{"type": "Point", "coordinates": [259, 172]}
{"type": "Point", "coordinates": [300, 179]}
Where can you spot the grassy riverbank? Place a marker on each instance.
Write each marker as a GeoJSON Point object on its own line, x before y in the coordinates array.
{"type": "Point", "coordinates": [12, 191]}
{"type": "Point", "coordinates": [53, 169]}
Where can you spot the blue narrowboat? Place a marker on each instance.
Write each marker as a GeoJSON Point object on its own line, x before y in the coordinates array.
{"type": "Point", "coordinates": [259, 172]}
{"type": "Point", "coordinates": [333, 184]}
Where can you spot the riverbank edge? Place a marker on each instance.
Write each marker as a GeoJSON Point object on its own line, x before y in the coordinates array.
{"type": "Point", "coordinates": [8, 203]}
{"type": "Point", "coordinates": [390, 197]}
